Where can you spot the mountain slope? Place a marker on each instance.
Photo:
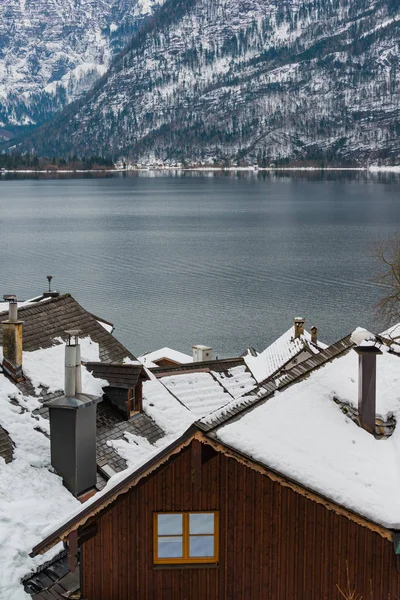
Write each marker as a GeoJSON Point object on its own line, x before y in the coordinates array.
{"type": "Point", "coordinates": [246, 78]}
{"type": "Point", "coordinates": [51, 52]}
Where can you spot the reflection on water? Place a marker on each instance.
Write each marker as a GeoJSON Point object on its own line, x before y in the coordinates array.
{"type": "Point", "coordinates": [217, 258]}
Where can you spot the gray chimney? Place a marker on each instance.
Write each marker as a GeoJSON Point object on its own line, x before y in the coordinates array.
{"type": "Point", "coordinates": [73, 427]}
{"type": "Point", "coordinates": [367, 386]}
{"type": "Point", "coordinates": [314, 335]}
{"type": "Point", "coordinates": [299, 324]}
{"type": "Point", "coordinates": [202, 353]}
{"type": "Point", "coordinates": [12, 341]}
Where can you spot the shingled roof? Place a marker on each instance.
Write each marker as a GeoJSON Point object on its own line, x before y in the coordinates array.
{"type": "Point", "coordinates": [281, 381]}
{"type": "Point", "coordinates": [120, 376]}
{"type": "Point", "coordinates": [45, 321]}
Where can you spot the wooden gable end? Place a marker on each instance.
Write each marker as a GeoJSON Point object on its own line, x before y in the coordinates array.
{"type": "Point", "coordinates": [274, 542]}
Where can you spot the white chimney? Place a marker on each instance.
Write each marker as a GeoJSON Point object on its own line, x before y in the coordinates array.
{"type": "Point", "coordinates": [202, 353]}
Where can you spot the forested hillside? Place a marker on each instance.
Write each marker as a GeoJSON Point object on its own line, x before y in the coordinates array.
{"type": "Point", "coordinates": [52, 51]}
{"type": "Point", "coordinates": [253, 79]}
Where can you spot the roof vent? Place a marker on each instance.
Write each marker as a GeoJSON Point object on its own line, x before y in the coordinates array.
{"type": "Point", "coordinates": [50, 293]}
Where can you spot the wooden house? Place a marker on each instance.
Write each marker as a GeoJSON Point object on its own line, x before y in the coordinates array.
{"type": "Point", "coordinates": [243, 506]}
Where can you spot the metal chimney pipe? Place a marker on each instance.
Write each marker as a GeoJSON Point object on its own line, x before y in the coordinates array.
{"type": "Point", "coordinates": [70, 371]}
{"type": "Point", "coordinates": [78, 370]}
{"type": "Point", "coordinates": [13, 311]}
{"type": "Point", "coordinates": [367, 386]}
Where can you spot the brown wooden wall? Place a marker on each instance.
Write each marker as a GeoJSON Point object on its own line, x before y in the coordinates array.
{"type": "Point", "coordinates": [275, 544]}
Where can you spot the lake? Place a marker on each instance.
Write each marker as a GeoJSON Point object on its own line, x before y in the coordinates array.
{"type": "Point", "coordinates": [219, 259]}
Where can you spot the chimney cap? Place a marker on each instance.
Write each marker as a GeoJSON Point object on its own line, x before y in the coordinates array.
{"type": "Point", "coordinates": [367, 350]}
{"type": "Point", "coordinates": [73, 332]}
{"type": "Point", "coordinates": [10, 298]}
{"type": "Point", "coordinates": [75, 402]}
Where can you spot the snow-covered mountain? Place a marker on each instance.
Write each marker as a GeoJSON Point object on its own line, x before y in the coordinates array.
{"type": "Point", "coordinates": [52, 51]}
{"type": "Point", "coordinates": [264, 79]}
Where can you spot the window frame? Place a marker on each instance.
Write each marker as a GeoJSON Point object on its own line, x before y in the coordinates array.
{"type": "Point", "coordinates": [186, 559]}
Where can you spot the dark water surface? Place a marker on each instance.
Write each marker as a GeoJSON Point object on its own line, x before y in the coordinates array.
{"type": "Point", "coordinates": [221, 260]}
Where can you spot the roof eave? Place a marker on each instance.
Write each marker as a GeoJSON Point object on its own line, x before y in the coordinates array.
{"type": "Point", "coordinates": [105, 499]}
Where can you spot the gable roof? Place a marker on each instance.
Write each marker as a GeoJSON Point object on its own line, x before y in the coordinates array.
{"type": "Point", "coordinates": [281, 352]}
{"type": "Point", "coordinates": [124, 376]}
{"type": "Point", "coordinates": [265, 390]}
{"type": "Point", "coordinates": [132, 477]}
{"type": "Point", "coordinates": [45, 321]}
{"type": "Point", "coordinates": [149, 359]}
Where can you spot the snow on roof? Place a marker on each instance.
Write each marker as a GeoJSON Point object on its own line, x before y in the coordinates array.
{"type": "Point", "coordinates": [199, 392]}
{"type": "Point", "coordinates": [284, 349]}
{"type": "Point", "coordinates": [238, 381]}
{"type": "Point", "coordinates": [31, 496]}
{"type": "Point", "coordinates": [169, 414]}
{"type": "Point", "coordinates": [149, 359]}
{"type": "Point", "coordinates": [45, 367]}
{"type": "Point", "coordinates": [29, 491]}
{"type": "Point", "coordinates": [303, 434]}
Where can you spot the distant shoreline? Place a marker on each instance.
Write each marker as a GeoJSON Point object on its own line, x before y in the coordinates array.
{"type": "Point", "coordinates": [369, 169]}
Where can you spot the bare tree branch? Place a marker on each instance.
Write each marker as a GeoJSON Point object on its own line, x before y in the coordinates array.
{"type": "Point", "coordinates": [388, 255]}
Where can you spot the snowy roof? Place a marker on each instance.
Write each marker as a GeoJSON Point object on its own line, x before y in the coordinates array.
{"type": "Point", "coordinates": [149, 359]}
{"type": "Point", "coordinates": [323, 449]}
{"type": "Point", "coordinates": [302, 433]}
{"type": "Point", "coordinates": [44, 321]}
{"type": "Point", "coordinates": [282, 351]}
{"type": "Point", "coordinates": [29, 489]}
{"type": "Point", "coordinates": [199, 392]}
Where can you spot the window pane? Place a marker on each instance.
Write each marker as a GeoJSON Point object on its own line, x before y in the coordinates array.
{"type": "Point", "coordinates": [201, 523]}
{"type": "Point", "coordinates": [170, 547]}
{"type": "Point", "coordinates": [201, 546]}
{"type": "Point", "coordinates": [170, 524]}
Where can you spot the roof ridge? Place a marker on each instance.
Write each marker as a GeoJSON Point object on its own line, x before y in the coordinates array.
{"type": "Point", "coordinates": [253, 399]}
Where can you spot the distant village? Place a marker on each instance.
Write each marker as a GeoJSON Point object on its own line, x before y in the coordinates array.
{"type": "Point", "coordinates": [179, 476]}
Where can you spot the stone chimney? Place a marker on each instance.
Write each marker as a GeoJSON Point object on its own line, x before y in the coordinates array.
{"type": "Point", "coordinates": [12, 341]}
{"type": "Point", "coordinates": [367, 386]}
{"type": "Point", "coordinates": [299, 324]}
{"type": "Point", "coordinates": [314, 335]}
{"type": "Point", "coordinates": [202, 353]}
{"type": "Point", "coordinates": [73, 426]}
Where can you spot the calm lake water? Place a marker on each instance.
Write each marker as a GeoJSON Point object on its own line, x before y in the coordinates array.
{"type": "Point", "coordinates": [215, 259]}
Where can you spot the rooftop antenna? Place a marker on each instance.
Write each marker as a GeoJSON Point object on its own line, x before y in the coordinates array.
{"type": "Point", "coordinates": [49, 278]}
